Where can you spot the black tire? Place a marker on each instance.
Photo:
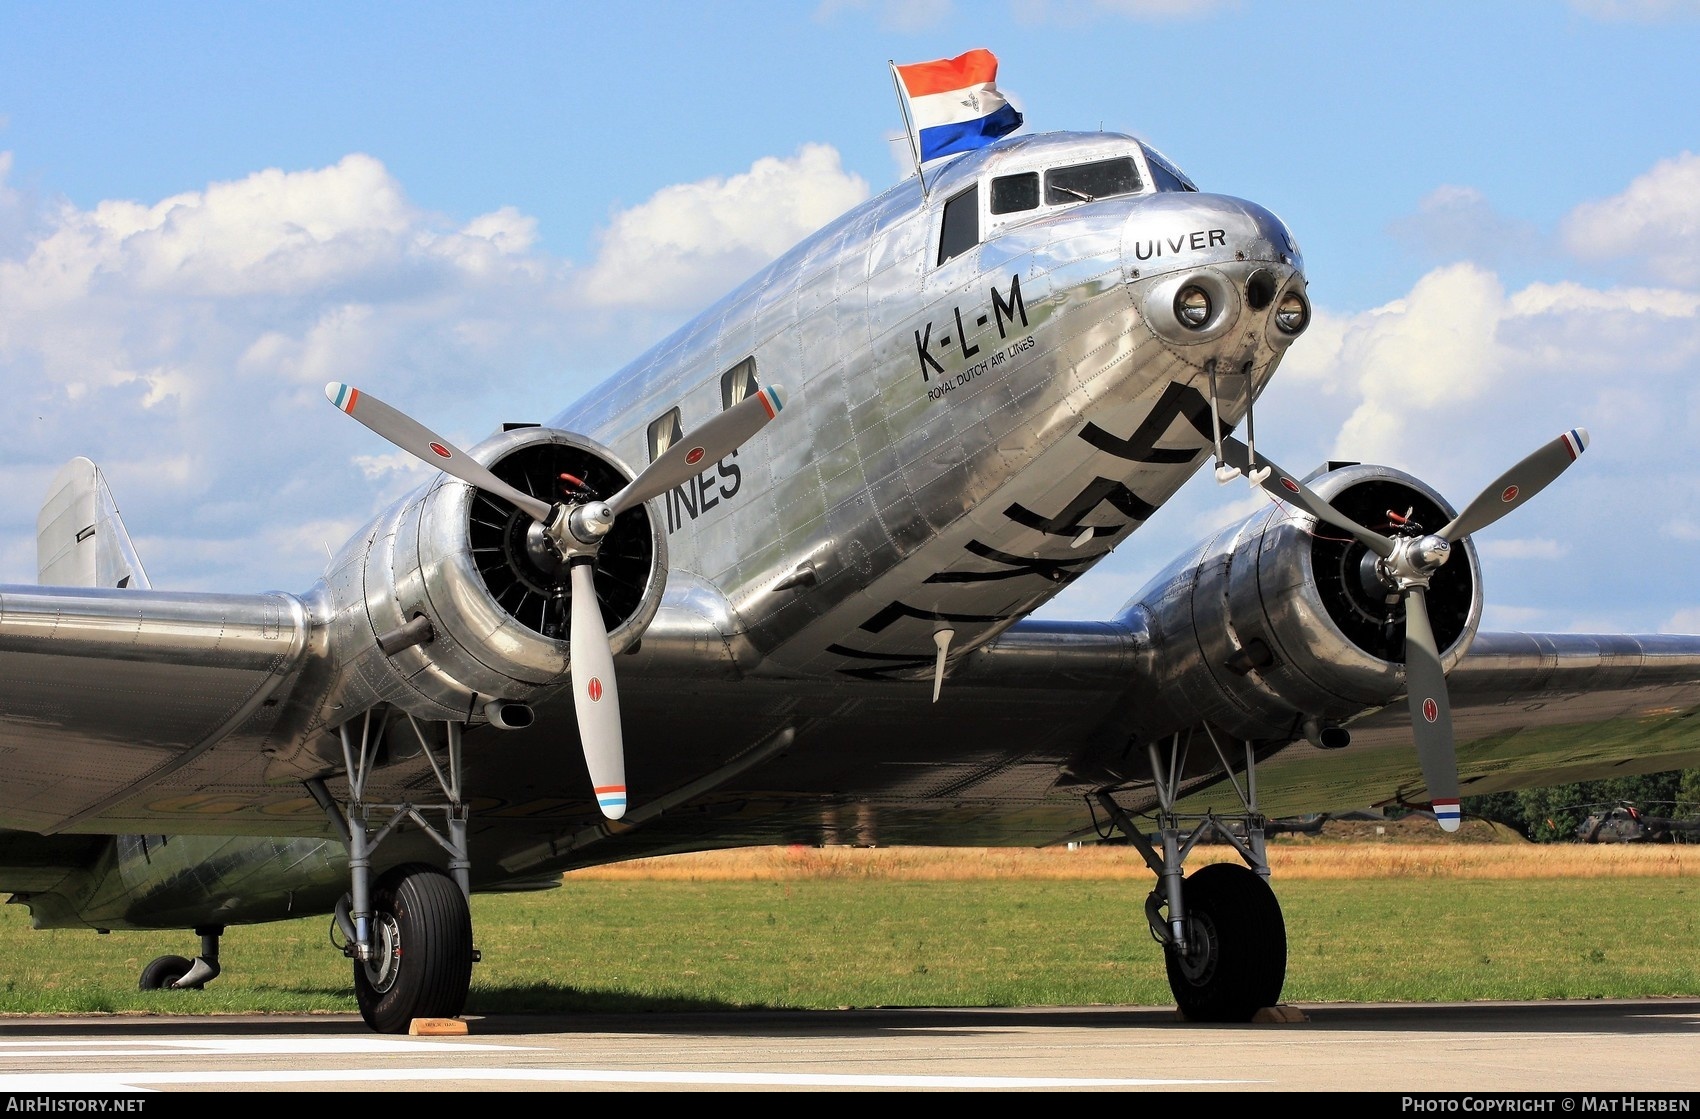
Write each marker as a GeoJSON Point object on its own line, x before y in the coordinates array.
{"type": "Point", "coordinates": [422, 950]}
{"type": "Point", "coordinates": [1236, 961]}
{"type": "Point", "coordinates": [163, 971]}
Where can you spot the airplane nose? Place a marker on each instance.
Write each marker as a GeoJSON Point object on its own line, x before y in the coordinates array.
{"type": "Point", "coordinates": [1176, 230]}
{"type": "Point", "coordinates": [1199, 265]}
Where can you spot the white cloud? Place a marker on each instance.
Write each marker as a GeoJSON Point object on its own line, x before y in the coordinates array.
{"type": "Point", "coordinates": [184, 344]}
{"type": "Point", "coordinates": [275, 232]}
{"type": "Point", "coordinates": [1683, 621]}
{"type": "Point", "coordinates": [690, 243]}
{"type": "Point", "coordinates": [1654, 224]}
{"type": "Point", "coordinates": [1076, 12]}
{"type": "Point", "coordinates": [894, 15]}
{"type": "Point", "coordinates": [1637, 11]}
{"type": "Point", "coordinates": [1502, 617]}
{"type": "Point", "coordinates": [1539, 549]}
{"type": "Point", "coordinates": [1433, 349]}
{"type": "Point", "coordinates": [1459, 223]}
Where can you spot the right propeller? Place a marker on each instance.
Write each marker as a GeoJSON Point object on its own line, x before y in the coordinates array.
{"type": "Point", "coordinates": [574, 530]}
{"type": "Point", "coordinates": [1405, 563]}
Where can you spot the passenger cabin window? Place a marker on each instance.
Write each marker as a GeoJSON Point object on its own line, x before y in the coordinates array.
{"type": "Point", "coordinates": [1014, 193]}
{"type": "Point", "coordinates": [738, 382]}
{"type": "Point", "coordinates": [1088, 182]}
{"type": "Point", "coordinates": [663, 433]}
{"type": "Point", "coordinates": [961, 226]}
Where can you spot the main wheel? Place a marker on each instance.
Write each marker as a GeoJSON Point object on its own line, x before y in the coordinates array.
{"type": "Point", "coordinates": [162, 972]}
{"type": "Point", "coordinates": [1236, 957]}
{"type": "Point", "coordinates": [421, 961]}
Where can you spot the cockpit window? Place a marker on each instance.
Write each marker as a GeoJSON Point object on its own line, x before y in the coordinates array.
{"type": "Point", "coordinates": [1165, 174]}
{"type": "Point", "coordinates": [1088, 182]}
{"type": "Point", "coordinates": [1013, 193]}
{"type": "Point", "coordinates": [1164, 179]}
{"type": "Point", "coordinates": [961, 225]}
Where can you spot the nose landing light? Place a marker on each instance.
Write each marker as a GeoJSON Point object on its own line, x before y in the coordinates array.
{"type": "Point", "coordinates": [1293, 313]}
{"type": "Point", "coordinates": [1192, 307]}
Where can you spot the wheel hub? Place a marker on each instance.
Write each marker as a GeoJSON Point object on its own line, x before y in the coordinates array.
{"type": "Point", "coordinates": [385, 964]}
{"type": "Point", "coordinates": [1203, 948]}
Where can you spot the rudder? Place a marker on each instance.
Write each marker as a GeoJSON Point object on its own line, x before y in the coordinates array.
{"type": "Point", "coordinates": [80, 539]}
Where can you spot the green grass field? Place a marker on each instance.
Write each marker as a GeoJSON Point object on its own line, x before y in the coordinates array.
{"type": "Point", "coordinates": [633, 943]}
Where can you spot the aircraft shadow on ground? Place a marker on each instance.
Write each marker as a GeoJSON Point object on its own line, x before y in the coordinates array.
{"type": "Point", "coordinates": [682, 1016]}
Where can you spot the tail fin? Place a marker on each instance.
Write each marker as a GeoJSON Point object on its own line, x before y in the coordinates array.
{"type": "Point", "coordinates": [80, 539]}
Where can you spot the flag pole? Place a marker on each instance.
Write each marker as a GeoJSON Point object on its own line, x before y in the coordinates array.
{"type": "Point", "coordinates": [908, 126]}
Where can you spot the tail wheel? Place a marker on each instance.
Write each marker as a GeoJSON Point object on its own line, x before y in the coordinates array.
{"type": "Point", "coordinates": [1236, 957]}
{"type": "Point", "coordinates": [421, 963]}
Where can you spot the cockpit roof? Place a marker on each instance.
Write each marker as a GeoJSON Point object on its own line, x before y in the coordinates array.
{"type": "Point", "coordinates": [1043, 150]}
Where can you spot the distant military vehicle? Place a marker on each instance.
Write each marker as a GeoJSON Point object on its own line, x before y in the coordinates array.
{"type": "Point", "coordinates": [1624, 822]}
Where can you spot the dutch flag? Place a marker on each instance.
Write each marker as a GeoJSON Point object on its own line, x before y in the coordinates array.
{"type": "Point", "coordinates": [954, 103]}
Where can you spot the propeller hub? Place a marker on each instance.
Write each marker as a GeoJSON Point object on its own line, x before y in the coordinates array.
{"type": "Point", "coordinates": [1430, 552]}
{"type": "Point", "coordinates": [1415, 559]}
{"type": "Point", "coordinates": [590, 523]}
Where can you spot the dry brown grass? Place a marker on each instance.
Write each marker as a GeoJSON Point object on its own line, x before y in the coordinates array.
{"type": "Point", "coordinates": [1292, 859]}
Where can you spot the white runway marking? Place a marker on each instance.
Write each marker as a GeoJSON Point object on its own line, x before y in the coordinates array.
{"type": "Point", "coordinates": [122, 1082]}
{"type": "Point", "coordinates": [237, 1046]}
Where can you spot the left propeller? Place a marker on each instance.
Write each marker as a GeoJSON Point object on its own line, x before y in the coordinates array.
{"type": "Point", "coordinates": [574, 530]}
{"type": "Point", "coordinates": [1406, 562]}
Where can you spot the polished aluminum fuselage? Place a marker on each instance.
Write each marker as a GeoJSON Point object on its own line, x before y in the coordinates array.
{"type": "Point", "coordinates": [961, 439]}
{"type": "Point", "coordinates": [930, 469]}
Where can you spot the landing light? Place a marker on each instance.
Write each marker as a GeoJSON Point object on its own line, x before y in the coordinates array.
{"type": "Point", "coordinates": [1293, 313]}
{"type": "Point", "coordinates": [1192, 307]}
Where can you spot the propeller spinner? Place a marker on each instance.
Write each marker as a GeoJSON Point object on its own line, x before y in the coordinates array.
{"type": "Point", "coordinates": [574, 530]}
{"type": "Point", "coordinates": [1405, 563]}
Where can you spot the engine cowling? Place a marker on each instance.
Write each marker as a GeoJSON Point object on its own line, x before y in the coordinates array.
{"type": "Point", "coordinates": [494, 598]}
{"type": "Point", "coordinates": [1279, 620]}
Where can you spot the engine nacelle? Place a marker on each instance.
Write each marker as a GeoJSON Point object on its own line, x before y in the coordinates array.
{"type": "Point", "coordinates": [450, 599]}
{"type": "Point", "coordinates": [1279, 619]}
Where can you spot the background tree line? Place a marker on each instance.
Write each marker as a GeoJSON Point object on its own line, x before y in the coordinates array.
{"type": "Point", "coordinates": [1553, 814]}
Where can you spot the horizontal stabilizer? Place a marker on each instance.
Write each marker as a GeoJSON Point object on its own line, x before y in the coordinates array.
{"type": "Point", "coordinates": [80, 539]}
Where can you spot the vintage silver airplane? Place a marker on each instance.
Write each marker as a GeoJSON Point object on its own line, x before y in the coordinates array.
{"type": "Point", "coordinates": [771, 583]}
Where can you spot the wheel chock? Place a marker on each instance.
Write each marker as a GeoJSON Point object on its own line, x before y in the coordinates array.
{"type": "Point", "coordinates": [1280, 1015]}
{"type": "Point", "coordinates": [436, 1027]}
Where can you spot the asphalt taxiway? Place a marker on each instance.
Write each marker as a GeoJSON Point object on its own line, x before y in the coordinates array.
{"type": "Point", "coordinates": [1637, 1046]}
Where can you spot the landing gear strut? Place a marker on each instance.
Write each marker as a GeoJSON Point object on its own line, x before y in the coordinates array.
{"type": "Point", "coordinates": [410, 933]}
{"type": "Point", "coordinates": [178, 974]}
{"type": "Point", "coordinates": [1223, 937]}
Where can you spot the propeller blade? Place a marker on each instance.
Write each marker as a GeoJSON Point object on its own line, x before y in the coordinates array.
{"type": "Point", "coordinates": [596, 698]}
{"type": "Point", "coordinates": [708, 444]}
{"type": "Point", "coordinates": [1289, 489]}
{"type": "Point", "coordinates": [1431, 711]}
{"type": "Point", "coordinates": [1518, 484]}
{"type": "Point", "coordinates": [418, 440]}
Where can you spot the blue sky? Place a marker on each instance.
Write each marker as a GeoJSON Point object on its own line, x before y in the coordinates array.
{"type": "Point", "coordinates": [207, 210]}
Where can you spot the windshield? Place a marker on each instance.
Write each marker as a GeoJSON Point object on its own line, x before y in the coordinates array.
{"type": "Point", "coordinates": [1164, 173]}
{"type": "Point", "coordinates": [1088, 182]}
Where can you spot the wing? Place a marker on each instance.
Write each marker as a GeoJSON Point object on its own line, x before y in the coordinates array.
{"type": "Point", "coordinates": [1529, 710]}
{"type": "Point", "coordinates": [106, 695]}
